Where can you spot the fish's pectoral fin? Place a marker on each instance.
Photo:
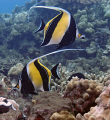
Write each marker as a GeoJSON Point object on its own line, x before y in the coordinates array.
{"type": "Point", "coordinates": [34, 93]}
{"type": "Point", "coordinates": [55, 72]}
{"type": "Point", "coordinates": [41, 27]}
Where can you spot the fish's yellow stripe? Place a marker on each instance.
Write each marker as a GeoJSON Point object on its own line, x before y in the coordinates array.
{"type": "Point", "coordinates": [47, 25]}
{"type": "Point", "coordinates": [34, 75]}
{"type": "Point", "coordinates": [61, 28]}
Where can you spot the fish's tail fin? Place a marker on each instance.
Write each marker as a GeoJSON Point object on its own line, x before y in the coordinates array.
{"type": "Point", "coordinates": [55, 72]}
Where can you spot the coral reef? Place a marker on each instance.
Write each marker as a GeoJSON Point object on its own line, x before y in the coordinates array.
{"type": "Point", "coordinates": [21, 17]}
{"type": "Point", "coordinates": [49, 105]}
{"type": "Point", "coordinates": [82, 94]}
{"type": "Point", "coordinates": [3, 89]}
{"type": "Point", "coordinates": [15, 71]}
{"type": "Point", "coordinates": [6, 82]}
{"type": "Point", "coordinates": [102, 110]}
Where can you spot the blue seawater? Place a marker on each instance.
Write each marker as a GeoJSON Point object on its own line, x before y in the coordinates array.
{"type": "Point", "coordinates": [6, 6]}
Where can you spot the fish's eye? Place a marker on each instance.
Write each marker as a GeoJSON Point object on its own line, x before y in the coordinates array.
{"type": "Point", "coordinates": [19, 77]}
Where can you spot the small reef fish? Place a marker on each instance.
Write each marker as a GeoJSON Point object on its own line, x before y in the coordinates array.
{"type": "Point", "coordinates": [59, 30]}
{"type": "Point", "coordinates": [35, 76]}
{"type": "Point", "coordinates": [79, 75]}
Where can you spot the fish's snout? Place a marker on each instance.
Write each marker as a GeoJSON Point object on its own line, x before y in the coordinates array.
{"type": "Point", "coordinates": [82, 37]}
{"type": "Point", "coordinates": [14, 89]}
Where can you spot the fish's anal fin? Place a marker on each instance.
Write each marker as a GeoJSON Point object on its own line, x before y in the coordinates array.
{"type": "Point", "coordinates": [41, 27]}
{"type": "Point", "coordinates": [55, 72]}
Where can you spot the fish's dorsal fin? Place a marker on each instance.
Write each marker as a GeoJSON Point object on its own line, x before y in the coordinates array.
{"type": "Point", "coordinates": [41, 27]}
{"type": "Point", "coordinates": [55, 72]}
{"type": "Point", "coordinates": [54, 53]}
{"type": "Point", "coordinates": [49, 7]}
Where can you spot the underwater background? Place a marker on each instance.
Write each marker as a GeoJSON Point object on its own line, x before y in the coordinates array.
{"type": "Point", "coordinates": [19, 44]}
{"type": "Point", "coordinates": [6, 6]}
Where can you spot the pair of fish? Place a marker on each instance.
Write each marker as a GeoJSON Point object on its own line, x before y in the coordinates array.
{"type": "Point", "coordinates": [35, 76]}
{"type": "Point", "coordinates": [60, 30]}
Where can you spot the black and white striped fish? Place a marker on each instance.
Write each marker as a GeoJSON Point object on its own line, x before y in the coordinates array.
{"type": "Point", "coordinates": [59, 30]}
{"type": "Point", "coordinates": [35, 76]}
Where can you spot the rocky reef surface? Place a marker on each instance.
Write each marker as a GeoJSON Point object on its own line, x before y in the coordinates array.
{"type": "Point", "coordinates": [78, 99]}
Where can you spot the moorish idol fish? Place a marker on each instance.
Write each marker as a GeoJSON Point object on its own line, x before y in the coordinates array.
{"type": "Point", "coordinates": [79, 75]}
{"type": "Point", "coordinates": [35, 76]}
{"type": "Point", "coordinates": [59, 30]}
